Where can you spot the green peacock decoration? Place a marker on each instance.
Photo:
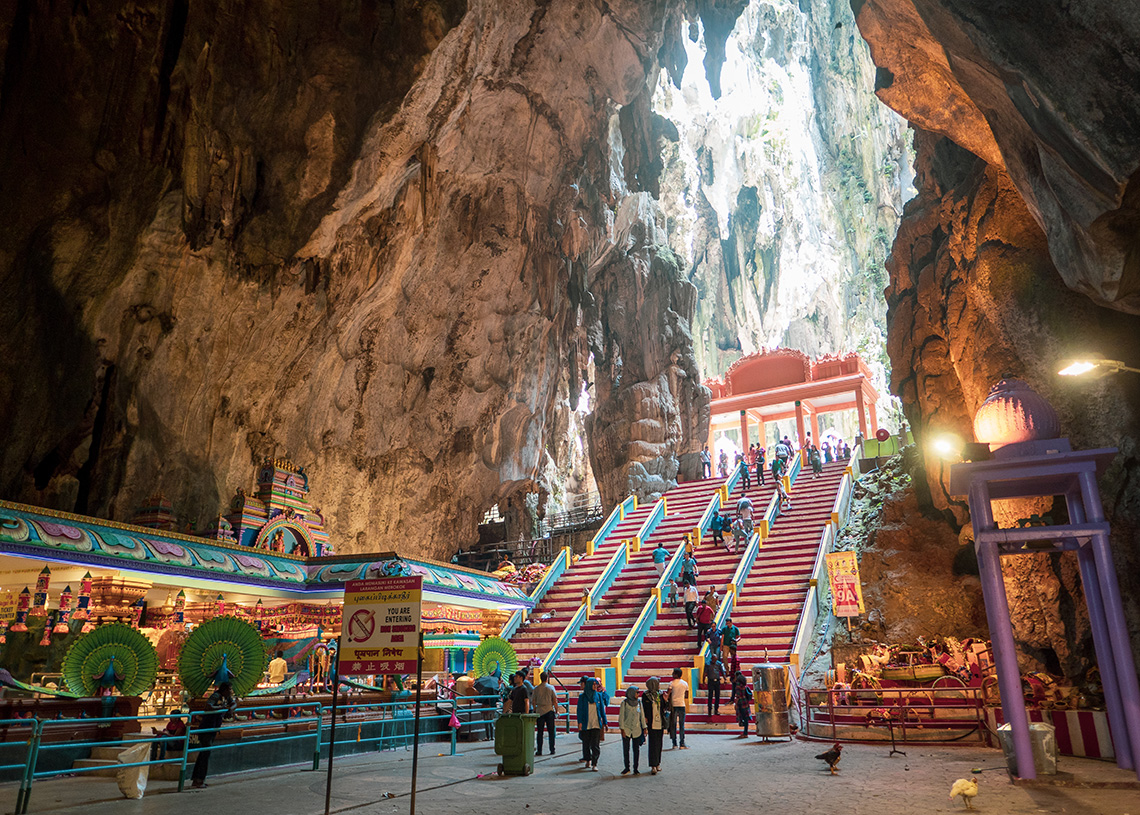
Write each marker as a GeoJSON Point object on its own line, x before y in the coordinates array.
{"type": "Point", "coordinates": [495, 657]}
{"type": "Point", "coordinates": [224, 649]}
{"type": "Point", "coordinates": [113, 658]}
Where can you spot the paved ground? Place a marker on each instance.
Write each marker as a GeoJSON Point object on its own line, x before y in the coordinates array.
{"type": "Point", "coordinates": [718, 774]}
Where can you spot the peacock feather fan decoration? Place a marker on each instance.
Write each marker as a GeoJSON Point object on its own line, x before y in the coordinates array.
{"type": "Point", "coordinates": [224, 649]}
{"type": "Point", "coordinates": [494, 657]}
{"type": "Point", "coordinates": [113, 658]}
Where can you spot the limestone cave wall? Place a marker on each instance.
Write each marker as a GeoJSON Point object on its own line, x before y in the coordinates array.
{"type": "Point", "coordinates": [382, 239]}
{"type": "Point", "coordinates": [1018, 252]}
{"type": "Point", "coordinates": [783, 188]}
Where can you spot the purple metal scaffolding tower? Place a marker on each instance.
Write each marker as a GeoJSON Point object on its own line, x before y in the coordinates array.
{"type": "Point", "coordinates": [1050, 468]}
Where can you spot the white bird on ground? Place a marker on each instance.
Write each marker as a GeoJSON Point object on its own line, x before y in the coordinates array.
{"type": "Point", "coordinates": [967, 788]}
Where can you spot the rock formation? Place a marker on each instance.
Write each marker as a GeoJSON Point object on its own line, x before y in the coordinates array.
{"type": "Point", "coordinates": [1014, 203]}
{"type": "Point", "coordinates": [783, 190]}
{"type": "Point", "coordinates": [368, 238]}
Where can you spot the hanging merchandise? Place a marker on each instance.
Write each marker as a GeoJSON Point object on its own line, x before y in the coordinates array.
{"type": "Point", "coordinates": [180, 608]}
{"type": "Point", "coordinates": [22, 606]}
{"type": "Point", "coordinates": [39, 602]}
{"type": "Point", "coordinates": [84, 598]}
{"type": "Point", "coordinates": [220, 606]}
{"type": "Point", "coordinates": [61, 626]}
{"type": "Point", "coordinates": [46, 638]}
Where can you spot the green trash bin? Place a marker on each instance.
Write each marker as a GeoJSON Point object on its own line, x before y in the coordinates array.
{"type": "Point", "coordinates": [514, 741]}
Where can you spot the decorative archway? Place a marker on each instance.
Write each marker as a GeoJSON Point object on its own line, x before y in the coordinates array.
{"type": "Point", "coordinates": [285, 535]}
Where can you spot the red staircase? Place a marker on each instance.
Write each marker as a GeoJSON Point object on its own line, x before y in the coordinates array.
{"type": "Point", "coordinates": [617, 610]}
{"type": "Point", "coordinates": [564, 597]}
{"type": "Point", "coordinates": [770, 602]}
{"type": "Point", "coordinates": [670, 643]}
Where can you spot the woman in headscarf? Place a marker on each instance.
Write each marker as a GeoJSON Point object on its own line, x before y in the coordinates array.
{"type": "Point", "coordinates": [656, 720]}
{"type": "Point", "coordinates": [631, 720]}
{"type": "Point", "coordinates": [742, 699]}
{"type": "Point", "coordinates": [591, 720]}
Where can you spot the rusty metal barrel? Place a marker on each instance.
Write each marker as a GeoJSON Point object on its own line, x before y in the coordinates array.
{"type": "Point", "coordinates": [770, 698]}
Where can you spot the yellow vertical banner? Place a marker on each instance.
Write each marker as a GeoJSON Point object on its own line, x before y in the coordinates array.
{"type": "Point", "coordinates": [846, 592]}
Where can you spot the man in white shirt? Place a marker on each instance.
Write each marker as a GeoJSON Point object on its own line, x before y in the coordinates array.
{"type": "Point", "coordinates": [278, 668]}
{"type": "Point", "coordinates": [691, 598]}
{"type": "Point", "coordinates": [678, 695]}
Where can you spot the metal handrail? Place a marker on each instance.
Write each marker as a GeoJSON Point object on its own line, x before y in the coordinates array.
{"type": "Point", "coordinates": [31, 773]}
{"type": "Point", "coordinates": [24, 766]}
{"type": "Point", "coordinates": [822, 709]}
{"type": "Point", "coordinates": [492, 706]}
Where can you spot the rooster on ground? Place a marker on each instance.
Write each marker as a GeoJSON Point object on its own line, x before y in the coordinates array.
{"type": "Point", "coordinates": [832, 757]}
{"type": "Point", "coordinates": [967, 788]}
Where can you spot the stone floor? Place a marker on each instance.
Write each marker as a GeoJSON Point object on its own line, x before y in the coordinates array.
{"type": "Point", "coordinates": [718, 774]}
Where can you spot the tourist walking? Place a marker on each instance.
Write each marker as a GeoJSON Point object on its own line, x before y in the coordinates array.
{"type": "Point", "coordinates": [704, 617]}
{"type": "Point", "coordinates": [742, 530]}
{"type": "Point", "coordinates": [689, 569]}
{"type": "Point", "coordinates": [729, 639]}
{"type": "Point", "coordinates": [591, 720]}
{"type": "Point", "coordinates": [545, 700]}
{"type": "Point", "coordinates": [761, 454]}
{"type": "Point", "coordinates": [221, 705]}
{"type": "Point", "coordinates": [678, 692]}
{"type": "Point", "coordinates": [745, 475]}
{"type": "Point", "coordinates": [713, 599]}
{"type": "Point", "coordinates": [631, 721]}
{"type": "Point", "coordinates": [742, 701]}
{"type": "Point", "coordinates": [815, 460]}
{"type": "Point", "coordinates": [691, 597]}
{"type": "Point", "coordinates": [660, 558]}
{"type": "Point", "coordinates": [712, 682]}
{"type": "Point", "coordinates": [656, 720]}
{"type": "Point", "coordinates": [706, 462]}
{"type": "Point", "coordinates": [723, 464]}
{"type": "Point", "coordinates": [826, 452]}
{"type": "Point", "coordinates": [717, 526]}
{"type": "Point", "coordinates": [672, 594]}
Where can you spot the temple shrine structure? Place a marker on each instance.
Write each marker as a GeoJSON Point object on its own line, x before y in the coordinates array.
{"type": "Point", "coordinates": [267, 559]}
{"type": "Point", "coordinates": [783, 383]}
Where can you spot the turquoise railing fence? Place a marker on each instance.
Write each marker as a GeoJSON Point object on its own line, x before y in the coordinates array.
{"type": "Point", "coordinates": [282, 721]}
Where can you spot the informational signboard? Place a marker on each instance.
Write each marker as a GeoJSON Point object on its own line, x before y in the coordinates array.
{"type": "Point", "coordinates": [380, 626]}
{"type": "Point", "coordinates": [846, 593]}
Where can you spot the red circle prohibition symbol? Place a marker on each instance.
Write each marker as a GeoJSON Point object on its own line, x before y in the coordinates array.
{"type": "Point", "coordinates": [361, 625]}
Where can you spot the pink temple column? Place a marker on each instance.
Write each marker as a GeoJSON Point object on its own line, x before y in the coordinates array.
{"type": "Point", "coordinates": [800, 422]}
{"type": "Point", "coordinates": [859, 406]}
{"type": "Point", "coordinates": [874, 417]}
{"type": "Point", "coordinates": [744, 431]}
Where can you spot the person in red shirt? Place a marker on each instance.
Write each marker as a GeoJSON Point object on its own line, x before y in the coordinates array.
{"type": "Point", "coordinates": [704, 621]}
